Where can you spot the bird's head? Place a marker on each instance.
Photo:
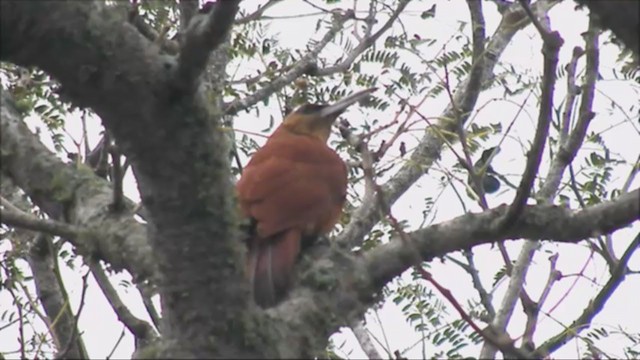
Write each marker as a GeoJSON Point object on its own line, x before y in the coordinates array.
{"type": "Point", "coordinates": [316, 119]}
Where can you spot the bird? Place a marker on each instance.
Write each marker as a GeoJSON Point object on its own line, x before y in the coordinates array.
{"type": "Point", "coordinates": [483, 168]}
{"type": "Point", "coordinates": [292, 189]}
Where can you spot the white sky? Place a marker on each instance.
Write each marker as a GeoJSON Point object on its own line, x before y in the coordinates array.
{"type": "Point", "coordinates": [101, 328]}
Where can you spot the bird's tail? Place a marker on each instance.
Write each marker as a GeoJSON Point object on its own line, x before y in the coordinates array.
{"type": "Point", "coordinates": [270, 264]}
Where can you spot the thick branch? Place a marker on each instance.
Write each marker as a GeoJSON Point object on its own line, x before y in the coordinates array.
{"type": "Point", "coordinates": [188, 9]}
{"type": "Point", "coordinates": [550, 50]}
{"type": "Point", "coordinates": [42, 258]}
{"type": "Point", "coordinates": [430, 146]}
{"type": "Point", "coordinates": [349, 285]}
{"type": "Point", "coordinates": [622, 17]}
{"type": "Point", "coordinates": [361, 333]}
{"type": "Point", "coordinates": [203, 34]}
{"type": "Point", "coordinates": [177, 151]}
{"type": "Point", "coordinates": [539, 222]}
{"type": "Point", "coordinates": [565, 156]}
{"type": "Point", "coordinates": [71, 194]}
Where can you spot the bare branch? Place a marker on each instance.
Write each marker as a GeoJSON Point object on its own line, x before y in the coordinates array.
{"type": "Point", "coordinates": [63, 352]}
{"type": "Point", "coordinates": [169, 46]}
{"type": "Point", "coordinates": [430, 146]}
{"type": "Point", "coordinates": [572, 91]}
{"type": "Point", "coordinates": [145, 294]}
{"type": "Point", "coordinates": [142, 331]}
{"type": "Point", "coordinates": [538, 222]}
{"type": "Point", "coordinates": [113, 350]}
{"type": "Point", "coordinates": [485, 297]}
{"type": "Point", "coordinates": [203, 35]}
{"type": "Point", "coordinates": [356, 280]}
{"type": "Point", "coordinates": [307, 64]}
{"type": "Point", "coordinates": [533, 311]}
{"type": "Point", "coordinates": [362, 335]}
{"type": "Point", "coordinates": [42, 258]}
{"type": "Point", "coordinates": [499, 339]}
{"type": "Point", "coordinates": [52, 185]}
{"type": "Point", "coordinates": [258, 13]}
{"type": "Point", "coordinates": [546, 194]}
{"type": "Point", "coordinates": [29, 222]}
{"type": "Point", "coordinates": [595, 306]}
{"type": "Point", "coordinates": [569, 148]}
{"type": "Point", "coordinates": [117, 175]}
{"type": "Point", "coordinates": [550, 50]}
{"type": "Point", "coordinates": [365, 42]}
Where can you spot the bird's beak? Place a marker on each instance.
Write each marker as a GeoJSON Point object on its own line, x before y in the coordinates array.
{"type": "Point", "coordinates": [342, 104]}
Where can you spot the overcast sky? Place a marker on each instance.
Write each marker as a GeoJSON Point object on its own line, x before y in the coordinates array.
{"type": "Point", "coordinates": [101, 329]}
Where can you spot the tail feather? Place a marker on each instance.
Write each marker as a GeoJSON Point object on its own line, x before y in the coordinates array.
{"type": "Point", "coordinates": [270, 265]}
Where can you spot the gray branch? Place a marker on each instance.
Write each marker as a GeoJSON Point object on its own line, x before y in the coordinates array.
{"type": "Point", "coordinates": [141, 330]}
{"type": "Point", "coordinates": [430, 146]}
{"type": "Point", "coordinates": [204, 33]}
{"type": "Point", "coordinates": [258, 13]}
{"type": "Point", "coordinates": [365, 42]}
{"type": "Point", "coordinates": [188, 9]}
{"type": "Point", "coordinates": [73, 194]}
{"type": "Point", "coordinates": [622, 17]}
{"type": "Point", "coordinates": [42, 258]}
{"type": "Point", "coordinates": [538, 222]}
{"type": "Point", "coordinates": [177, 151]}
{"type": "Point", "coordinates": [565, 156]}
{"type": "Point", "coordinates": [346, 285]}
{"type": "Point", "coordinates": [619, 273]}
{"type": "Point", "coordinates": [550, 50]}
{"type": "Point", "coordinates": [307, 64]}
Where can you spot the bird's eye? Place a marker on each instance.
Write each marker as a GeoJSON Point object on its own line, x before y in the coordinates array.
{"type": "Point", "coordinates": [310, 108]}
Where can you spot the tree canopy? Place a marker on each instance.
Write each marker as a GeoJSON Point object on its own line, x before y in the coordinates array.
{"type": "Point", "coordinates": [492, 206]}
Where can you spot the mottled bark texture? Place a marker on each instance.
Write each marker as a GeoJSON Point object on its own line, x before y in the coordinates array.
{"type": "Point", "coordinates": [622, 17]}
{"type": "Point", "coordinates": [178, 156]}
{"type": "Point", "coordinates": [153, 105]}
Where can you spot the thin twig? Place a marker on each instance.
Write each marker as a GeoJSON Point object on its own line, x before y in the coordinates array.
{"type": "Point", "coordinates": [485, 298]}
{"type": "Point", "coordinates": [595, 305]}
{"type": "Point", "coordinates": [533, 312]}
{"type": "Point", "coordinates": [63, 353]}
{"type": "Point", "coordinates": [500, 340]}
{"type": "Point", "coordinates": [16, 300]}
{"type": "Point", "coordinates": [366, 41]}
{"type": "Point", "coordinates": [113, 350]}
{"type": "Point", "coordinates": [258, 13]}
{"type": "Point", "coordinates": [572, 91]}
{"type": "Point", "coordinates": [140, 329]}
{"type": "Point", "coordinates": [305, 65]}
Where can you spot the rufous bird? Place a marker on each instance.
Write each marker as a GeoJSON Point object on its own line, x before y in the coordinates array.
{"type": "Point", "coordinates": [293, 188]}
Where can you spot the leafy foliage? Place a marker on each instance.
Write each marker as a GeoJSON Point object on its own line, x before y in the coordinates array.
{"type": "Point", "coordinates": [409, 68]}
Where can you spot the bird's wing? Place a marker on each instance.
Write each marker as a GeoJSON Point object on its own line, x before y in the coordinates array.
{"type": "Point", "coordinates": [289, 184]}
